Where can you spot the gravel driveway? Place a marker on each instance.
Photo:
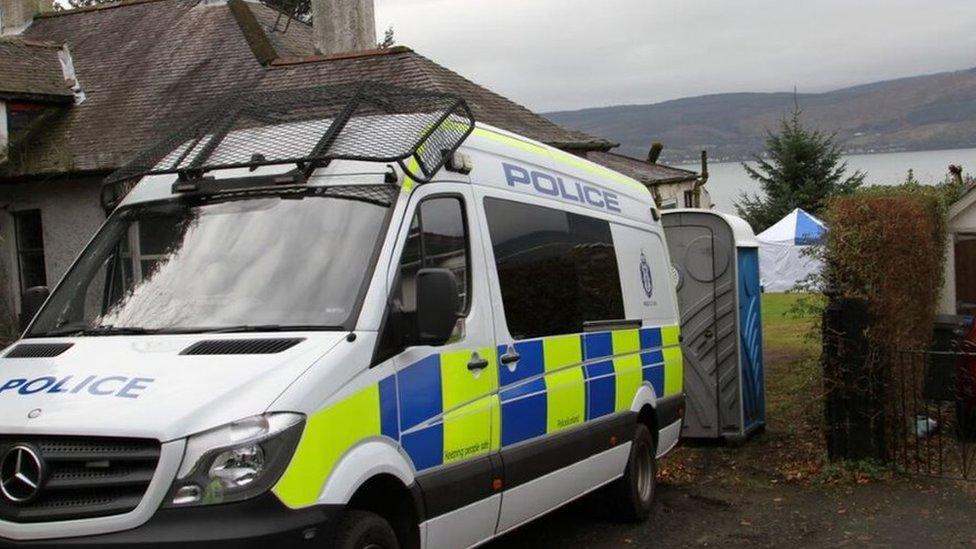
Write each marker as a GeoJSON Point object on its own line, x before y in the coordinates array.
{"type": "Point", "coordinates": [894, 513]}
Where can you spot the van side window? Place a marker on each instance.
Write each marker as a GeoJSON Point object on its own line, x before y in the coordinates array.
{"type": "Point", "coordinates": [557, 270]}
{"type": "Point", "coordinates": [438, 239]}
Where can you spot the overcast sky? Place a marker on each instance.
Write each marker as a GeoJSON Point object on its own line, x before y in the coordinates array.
{"type": "Point", "coordinates": [570, 54]}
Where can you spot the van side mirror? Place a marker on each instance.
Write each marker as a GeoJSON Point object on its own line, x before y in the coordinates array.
{"type": "Point", "coordinates": [30, 303]}
{"type": "Point", "coordinates": [438, 302]}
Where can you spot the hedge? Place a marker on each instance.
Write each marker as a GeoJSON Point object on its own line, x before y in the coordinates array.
{"type": "Point", "coordinates": [887, 246]}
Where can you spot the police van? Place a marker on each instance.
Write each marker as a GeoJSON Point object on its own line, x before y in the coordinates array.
{"type": "Point", "coordinates": [344, 317]}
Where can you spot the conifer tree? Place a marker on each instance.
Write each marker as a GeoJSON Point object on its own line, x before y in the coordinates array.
{"type": "Point", "coordinates": [802, 168]}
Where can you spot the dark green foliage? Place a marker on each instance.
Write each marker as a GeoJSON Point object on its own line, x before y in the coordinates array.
{"type": "Point", "coordinates": [802, 169]}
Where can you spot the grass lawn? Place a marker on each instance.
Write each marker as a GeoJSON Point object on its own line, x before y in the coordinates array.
{"type": "Point", "coordinates": [792, 361]}
{"type": "Point", "coordinates": [792, 448]}
{"type": "Point", "coordinates": [785, 332]}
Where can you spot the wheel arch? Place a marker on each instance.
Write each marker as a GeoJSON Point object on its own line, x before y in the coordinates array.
{"type": "Point", "coordinates": [645, 406]}
{"type": "Point", "coordinates": [400, 505]}
{"type": "Point", "coordinates": [372, 458]}
{"type": "Point", "coordinates": [375, 476]}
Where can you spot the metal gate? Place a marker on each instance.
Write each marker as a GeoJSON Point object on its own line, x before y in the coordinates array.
{"type": "Point", "coordinates": [932, 412]}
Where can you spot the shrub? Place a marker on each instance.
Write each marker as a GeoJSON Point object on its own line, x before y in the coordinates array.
{"type": "Point", "coordinates": [887, 245]}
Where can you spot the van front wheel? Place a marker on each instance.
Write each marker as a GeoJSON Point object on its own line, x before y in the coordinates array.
{"type": "Point", "coordinates": [364, 530]}
{"type": "Point", "coordinates": [632, 496]}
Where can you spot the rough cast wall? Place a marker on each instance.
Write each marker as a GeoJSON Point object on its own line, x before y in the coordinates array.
{"type": "Point", "coordinates": [343, 25]}
{"type": "Point", "coordinates": [674, 193]}
{"type": "Point", "coordinates": [70, 215]}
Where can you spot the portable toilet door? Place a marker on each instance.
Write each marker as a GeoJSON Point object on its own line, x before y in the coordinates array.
{"type": "Point", "coordinates": [716, 257]}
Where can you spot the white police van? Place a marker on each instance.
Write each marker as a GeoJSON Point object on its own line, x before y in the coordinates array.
{"type": "Point", "coordinates": [423, 340]}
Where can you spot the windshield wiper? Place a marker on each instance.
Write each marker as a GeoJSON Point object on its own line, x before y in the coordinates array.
{"type": "Point", "coordinates": [270, 328]}
{"type": "Point", "coordinates": [116, 330]}
{"type": "Point", "coordinates": [244, 329]}
{"type": "Point", "coordinates": [106, 330]}
{"type": "Point", "coordinates": [136, 330]}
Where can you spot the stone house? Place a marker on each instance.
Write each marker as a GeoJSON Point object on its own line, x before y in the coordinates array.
{"type": "Point", "coordinates": [83, 91]}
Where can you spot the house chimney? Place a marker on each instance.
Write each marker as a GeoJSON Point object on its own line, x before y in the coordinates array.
{"type": "Point", "coordinates": [343, 26]}
{"type": "Point", "coordinates": [17, 15]}
{"type": "Point", "coordinates": [655, 152]}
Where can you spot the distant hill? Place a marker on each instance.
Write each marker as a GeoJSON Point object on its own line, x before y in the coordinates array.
{"type": "Point", "coordinates": [936, 111]}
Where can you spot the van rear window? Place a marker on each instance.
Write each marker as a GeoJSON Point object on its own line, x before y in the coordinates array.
{"type": "Point", "coordinates": [557, 270]}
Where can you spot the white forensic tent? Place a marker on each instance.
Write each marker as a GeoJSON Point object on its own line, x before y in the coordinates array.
{"type": "Point", "coordinates": [782, 261]}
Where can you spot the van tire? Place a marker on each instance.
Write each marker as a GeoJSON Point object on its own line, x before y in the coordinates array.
{"type": "Point", "coordinates": [364, 530]}
{"type": "Point", "coordinates": [632, 496]}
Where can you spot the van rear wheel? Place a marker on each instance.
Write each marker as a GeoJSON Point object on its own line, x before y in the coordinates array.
{"type": "Point", "coordinates": [632, 496]}
{"type": "Point", "coordinates": [364, 530]}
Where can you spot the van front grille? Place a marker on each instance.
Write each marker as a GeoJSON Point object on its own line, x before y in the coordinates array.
{"type": "Point", "coordinates": [79, 477]}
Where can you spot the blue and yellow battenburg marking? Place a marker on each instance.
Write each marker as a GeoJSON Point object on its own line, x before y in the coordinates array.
{"type": "Point", "coordinates": [559, 383]}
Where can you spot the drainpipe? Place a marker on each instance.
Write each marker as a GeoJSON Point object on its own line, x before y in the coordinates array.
{"type": "Point", "coordinates": [702, 180]}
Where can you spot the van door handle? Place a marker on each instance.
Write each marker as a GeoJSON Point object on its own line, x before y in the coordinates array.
{"type": "Point", "coordinates": [476, 364]}
{"type": "Point", "coordinates": [510, 357]}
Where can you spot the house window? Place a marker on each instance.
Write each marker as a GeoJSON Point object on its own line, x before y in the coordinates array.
{"type": "Point", "coordinates": [151, 241]}
{"type": "Point", "coordinates": [690, 199]}
{"type": "Point", "coordinates": [669, 204]}
{"type": "Point", "coordinates": [30, 248]}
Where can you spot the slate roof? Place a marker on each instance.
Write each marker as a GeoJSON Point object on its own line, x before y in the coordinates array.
{"type": "Point", "coordinates": [148, 65]}
{"type": "Point", "coordinates": [31, 70]}
{"type": "Point", "coordinates": [408, 68]}
{"type": "Point", "coordinates": [645, 172]}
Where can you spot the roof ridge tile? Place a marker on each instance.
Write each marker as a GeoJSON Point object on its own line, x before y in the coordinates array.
{"type": "Point", "coordinates": [31, 42]}
{"type": "Point", "coordinates": [291, 61]}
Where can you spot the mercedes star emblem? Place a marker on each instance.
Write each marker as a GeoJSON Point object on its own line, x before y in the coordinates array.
{"type": "Point", "coordinates": [21, 474]}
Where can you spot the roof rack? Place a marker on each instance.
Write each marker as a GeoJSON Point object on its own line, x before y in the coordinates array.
{"type": "Point", "coordinates": [310, 127]}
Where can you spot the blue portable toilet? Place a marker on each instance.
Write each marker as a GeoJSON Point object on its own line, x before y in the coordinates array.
{"type": "Point", "coordinates": [716, 262]}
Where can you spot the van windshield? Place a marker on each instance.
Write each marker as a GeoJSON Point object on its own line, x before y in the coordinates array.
{"type": "Point", "coordinates": [253, 263]}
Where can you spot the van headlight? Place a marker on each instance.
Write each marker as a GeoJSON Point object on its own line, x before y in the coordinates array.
{"type": "Point", "coordinates": [235, 462]}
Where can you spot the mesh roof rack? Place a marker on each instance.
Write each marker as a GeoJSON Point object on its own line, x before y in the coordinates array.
{"type": "Point", "coordinates": [309, 127]}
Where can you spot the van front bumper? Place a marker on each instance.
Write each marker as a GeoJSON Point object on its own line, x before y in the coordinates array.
{"type": "Point", "coordinates": [260, 523]}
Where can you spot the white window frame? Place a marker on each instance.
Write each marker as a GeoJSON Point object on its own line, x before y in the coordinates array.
{"type": "Point", "coordinates": [4, 129]}
{"type": "Point", "coordinates": [135, 255]}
